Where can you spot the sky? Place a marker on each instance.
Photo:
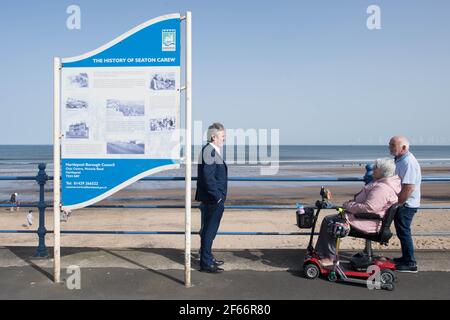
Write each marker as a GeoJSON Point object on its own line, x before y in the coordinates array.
{"type": "Point", "coordinates": [311, 69]}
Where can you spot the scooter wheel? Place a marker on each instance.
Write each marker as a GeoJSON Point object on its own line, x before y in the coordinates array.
{"type": "Point", "coordinates": [388, 287]}
{"type": "Point", "coordinates": [387, 277]}
{"type": "Point", "coordinates": [311, 271]}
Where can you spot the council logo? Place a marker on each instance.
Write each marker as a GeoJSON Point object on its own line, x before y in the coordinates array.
{"type": "Point", "coordinates": [169, 40]}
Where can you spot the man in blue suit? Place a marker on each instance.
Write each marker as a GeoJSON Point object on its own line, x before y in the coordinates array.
{"type": "Point", "coordinates": [211, 192]}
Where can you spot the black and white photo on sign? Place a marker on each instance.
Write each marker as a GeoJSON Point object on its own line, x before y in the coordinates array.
{"type": "Point", "coordinates": [78, 130]}
{"type": "Point", "coordinates": [162, 124]}
{"type": "Point", "coordinates": [163, 81]}
{"type": "Point", "coordinates": [74, 103]}
{"type": "Point", "coordinates": [127, 108]}
{"type": "Point", "coordinates": [125, 147]}
{"type": "Point", "coordinates": [78, 80]}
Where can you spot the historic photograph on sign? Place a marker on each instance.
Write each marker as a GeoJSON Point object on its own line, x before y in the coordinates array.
{"type": "Point", "coordinates": [126, 147]}
{"type": "Point", "coordinates": [127, 108]}
{"type": "Point", "coordinates": [78, 130]}
{"type": "Point", "coordinates": [163, 81]}
{"type": "Point", "coordinates": [76, 104]}
{"type": "Point", "coordinates": [162, 124]}
{"type": "Point", "coordinates": [79, 80]}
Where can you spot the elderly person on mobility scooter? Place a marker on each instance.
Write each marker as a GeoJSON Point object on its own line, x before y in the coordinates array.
{"type": "Point", "coordinates": [375, 198]}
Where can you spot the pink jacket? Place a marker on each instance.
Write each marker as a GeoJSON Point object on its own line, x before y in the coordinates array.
{"type": "Point", "coordinates": [376, 197]}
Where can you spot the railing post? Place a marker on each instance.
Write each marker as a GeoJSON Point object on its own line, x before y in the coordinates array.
{"type": "Point", "coordinates": [42, 179]}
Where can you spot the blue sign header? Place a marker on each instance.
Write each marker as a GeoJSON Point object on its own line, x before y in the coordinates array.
{"type": "Point", "coordinates": [151, 44]}
{"type": "Point", "coordinates": [120, 125]}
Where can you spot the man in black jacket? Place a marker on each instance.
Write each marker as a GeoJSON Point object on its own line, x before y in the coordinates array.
{"type": "Point", "coordinates": [211, 192]}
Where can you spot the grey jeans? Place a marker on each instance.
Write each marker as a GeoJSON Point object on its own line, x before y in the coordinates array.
{"type": "Point", "coordinates": [326, 244]}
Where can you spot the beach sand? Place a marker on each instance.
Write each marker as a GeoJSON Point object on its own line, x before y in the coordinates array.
{"type": "Point", "coordinates": [233, 220]}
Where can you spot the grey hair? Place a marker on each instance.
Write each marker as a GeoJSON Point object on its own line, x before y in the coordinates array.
{"type": "Point", "coordinates": [213, 130]}
{"type": "Point", "coordinates": [387, 167]}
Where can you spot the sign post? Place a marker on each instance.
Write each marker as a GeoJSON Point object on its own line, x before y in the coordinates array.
{"type": "Point", "coordinates": [188, 147]}
{"type": "Point", "coordinates": [117, 117]}
{"type": "Point", "coordinates": [56, 168]}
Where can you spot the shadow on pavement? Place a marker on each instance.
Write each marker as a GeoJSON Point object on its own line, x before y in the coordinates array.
{"type": "Point", "coordinates": [170, 255]}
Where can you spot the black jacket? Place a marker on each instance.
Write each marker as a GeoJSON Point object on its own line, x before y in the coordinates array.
{"type": "Point", "coordinates": [212, 182]}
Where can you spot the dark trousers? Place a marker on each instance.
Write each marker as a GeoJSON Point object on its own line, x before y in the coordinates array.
{"type": "Point", "coordinates": [402, 221]}
{"type": "Point", "coordinates": [211, 216]}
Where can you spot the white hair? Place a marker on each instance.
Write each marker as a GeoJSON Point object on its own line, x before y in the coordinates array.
{"type": "Point", "coordinates": [213, 130]}
{"type": "Point", "coordinates": [387, 167]}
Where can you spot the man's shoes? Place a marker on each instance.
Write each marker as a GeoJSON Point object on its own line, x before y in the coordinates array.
{"type": "Point", "coordinates": [211, 269]}
{"type": "Point", "coordinates": [218, 262]}
{"type": "Point", "coordinates": [406, 267]}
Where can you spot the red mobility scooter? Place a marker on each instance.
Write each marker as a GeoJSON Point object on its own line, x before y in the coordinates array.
{"type": "Point", "coordinates": [361, 266]}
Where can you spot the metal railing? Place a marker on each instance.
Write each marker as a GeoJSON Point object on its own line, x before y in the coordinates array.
{"type": "Point", "coordinates": [42, 179]}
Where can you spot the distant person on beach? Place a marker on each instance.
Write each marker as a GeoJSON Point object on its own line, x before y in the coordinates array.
{"type": "Point", "coordinates": [212, 181]}
{"type": "Point", "coordinates": [376, 197]}
{"type": "Point", "coordinates": [408, 168]}
{"type": "Point", "coordinates": [30, 218]}
{"type": "Point", "coordinates": [14, 202]}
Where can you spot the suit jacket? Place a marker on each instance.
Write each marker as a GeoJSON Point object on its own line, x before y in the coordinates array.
{"type": "Point", "coordinates": [212, 176]}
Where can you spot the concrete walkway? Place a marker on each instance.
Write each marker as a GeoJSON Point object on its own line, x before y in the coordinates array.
{"type": "Point", "coordinates": [158, 274]}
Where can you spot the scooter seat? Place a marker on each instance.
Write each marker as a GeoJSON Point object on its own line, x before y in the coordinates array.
{"type": "Point", "coordinates": [385, 234]}
{"type": "Point", "coordinates": [382, 238]}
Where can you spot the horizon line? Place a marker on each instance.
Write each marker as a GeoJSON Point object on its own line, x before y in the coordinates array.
{"type": "Point", "coordinates": [293, 145]}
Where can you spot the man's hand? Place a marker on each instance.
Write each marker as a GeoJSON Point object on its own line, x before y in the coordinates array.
{"type": "Point", "coordinates": [406, 191]}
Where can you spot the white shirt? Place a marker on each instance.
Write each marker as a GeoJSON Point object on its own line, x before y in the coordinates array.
{"type": "Point", "coordinates": [216, 147]}
{"type": "Point", "coordinates": [408, 168]}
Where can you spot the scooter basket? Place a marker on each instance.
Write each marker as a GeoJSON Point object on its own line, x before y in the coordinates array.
{"type": "Point", "coordinates": [305, 219]}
